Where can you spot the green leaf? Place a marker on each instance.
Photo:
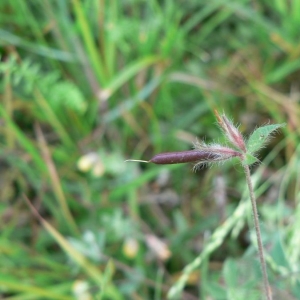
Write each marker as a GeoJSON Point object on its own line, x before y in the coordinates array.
{"type": "Point", "coordinates": [260, 136]}
{"type": "Point", "coordinates": [230, 272]}
{"type": "Point", "coordinates": [249, 159]}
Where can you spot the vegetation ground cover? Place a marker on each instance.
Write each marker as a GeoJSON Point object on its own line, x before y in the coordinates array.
{"type": "Point", "coordinates": [86, 85]}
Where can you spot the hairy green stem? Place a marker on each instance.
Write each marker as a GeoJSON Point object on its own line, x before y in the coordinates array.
{"type": "Point", "coordinates": [258, 234]}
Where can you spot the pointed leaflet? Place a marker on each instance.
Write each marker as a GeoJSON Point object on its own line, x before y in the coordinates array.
{"type": "Point", "coordinates": [249, 159]}
{"type": "Point", "coordinates": [260, 136]}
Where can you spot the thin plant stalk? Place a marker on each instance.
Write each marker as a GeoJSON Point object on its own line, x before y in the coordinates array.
{"type": "Point", "coordinates": [258, 234]}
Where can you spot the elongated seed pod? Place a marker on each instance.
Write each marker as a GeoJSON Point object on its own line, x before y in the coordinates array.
{"type": "Point", "coordinates": [182, 157]}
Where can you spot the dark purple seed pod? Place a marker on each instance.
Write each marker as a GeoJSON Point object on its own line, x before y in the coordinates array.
{"type": "Point", "coordinates": [182, 157]}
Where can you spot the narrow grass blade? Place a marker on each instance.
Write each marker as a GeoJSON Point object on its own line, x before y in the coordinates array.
{"type": "Point", "coordinates": [94, 273]}
{"type": "Point", "coordinates": [215, 241]}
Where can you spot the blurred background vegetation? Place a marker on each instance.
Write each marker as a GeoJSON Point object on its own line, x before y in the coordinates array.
{"type": "Point", "coordinates": [86, 85]}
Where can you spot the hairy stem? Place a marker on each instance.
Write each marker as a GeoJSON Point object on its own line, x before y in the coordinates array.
{"type": "Point", "coordinates": [258, 234]}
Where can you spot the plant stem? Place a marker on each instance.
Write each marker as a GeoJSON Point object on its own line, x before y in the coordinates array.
{"type": "Point", "coordinates": [258, 234]}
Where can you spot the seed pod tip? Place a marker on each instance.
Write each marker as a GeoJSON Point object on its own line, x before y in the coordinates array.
{"type": "Point", "coordinates": [137, 160]}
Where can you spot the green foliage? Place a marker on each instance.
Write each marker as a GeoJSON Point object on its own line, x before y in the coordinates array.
{"type": "Point", "coordinates": [260, 137]}
{"type": "Point", "coordinates": [249, 159]}
{"type": "Point", "coordinates": [240, 280]}
{"type": "Point", "coordinates": [27, 77]}
{"type": "Point", "coordinates": [123, 79]}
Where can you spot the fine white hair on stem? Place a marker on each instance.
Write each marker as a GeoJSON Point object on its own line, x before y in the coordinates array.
{"type": "Point", "coordinates": [219, 154]}
{"type": "Point", "coordinates": [209, 163]}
